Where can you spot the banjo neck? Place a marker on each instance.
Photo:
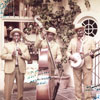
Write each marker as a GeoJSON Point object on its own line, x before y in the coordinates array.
{"type": "Point", "coordinates": [87, 54]}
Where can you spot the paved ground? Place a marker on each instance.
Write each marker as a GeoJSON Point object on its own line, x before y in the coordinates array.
{"type": "Point", "coordinates": [29, 93]}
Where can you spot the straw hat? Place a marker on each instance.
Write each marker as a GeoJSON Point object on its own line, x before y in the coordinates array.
{"type": "Point", "coordinates": [16, 30]}
{"type": "Point", "coordinates": [52, 30]}
{"type": "Point", "coordinates": [79, 26]}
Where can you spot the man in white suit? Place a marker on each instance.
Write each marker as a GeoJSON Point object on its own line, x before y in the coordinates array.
{"type": "Point", "coordinates": [41, 43]}
{"type": "Point", "coordinates": [14, 53]}
{"type": "Point", "coordinates": [82, 44]}
{"type": "Point", "coordinates": [54, 46]}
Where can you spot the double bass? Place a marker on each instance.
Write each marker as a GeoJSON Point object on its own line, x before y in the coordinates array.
{"type": "Point", "coordinates": [43, 81]}
{"type": "Point", "coordinates": [45, 85]}
{"type": "Point", "coordinates": [45, 88]}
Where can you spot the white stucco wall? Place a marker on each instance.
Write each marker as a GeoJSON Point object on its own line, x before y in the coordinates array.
{"type": "Point", "coordinates": [93, 11]}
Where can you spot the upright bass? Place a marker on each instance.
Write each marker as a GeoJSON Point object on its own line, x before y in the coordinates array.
{"type": "Point", "coordinates": [44, 87]}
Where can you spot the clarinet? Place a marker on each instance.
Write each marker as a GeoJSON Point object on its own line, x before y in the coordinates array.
{"type": "Point", "coordinates": [16, 52]}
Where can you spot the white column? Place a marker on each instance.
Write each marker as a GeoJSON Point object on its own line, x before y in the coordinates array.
{"type": "Point", "coordinates": [1, 41]}
{"type": "Point", "coordinates": [1, 62]}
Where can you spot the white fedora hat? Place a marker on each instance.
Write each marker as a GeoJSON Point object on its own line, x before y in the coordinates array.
{"type": "Point", "coordinates": [79, 26]}
{"type": "Point", "coordinates": [52, 30]}
{"type": "Point", "coordinates": [16, 30]}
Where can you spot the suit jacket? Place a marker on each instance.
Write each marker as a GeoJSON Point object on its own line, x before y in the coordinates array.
{"type": "Point", "coordinates": [10, 61]}
{"type": "Point", "coordinates": [88, 45]}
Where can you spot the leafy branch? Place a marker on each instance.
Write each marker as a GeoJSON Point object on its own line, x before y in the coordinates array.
{"type": "Point", "coordinates": [62, 20]}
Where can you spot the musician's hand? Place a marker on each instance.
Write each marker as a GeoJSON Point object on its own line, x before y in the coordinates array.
{"type": "Point", "coordinates": [82, 55]}
{"type": "Point", "coordinates": [43, 33]}
{"type": "Point", "coordinates": [57, 61]}
{"type": "Point", "coordinates": [28, 43]}
{"type": "Point", "coordinates": [14, 54]}
{"type": "Point", "coordinates": [19, 51]}
{"type": "Point", "coordinates": [91, 54]}
{"type": "Point", "coordinates": [73, 59]}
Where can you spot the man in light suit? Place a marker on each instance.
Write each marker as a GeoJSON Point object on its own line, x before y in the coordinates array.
{"type": "Point", "coordinates": [41, 43]}
{"type": "Point", "coordinates": [14, 53]}
{"type": "Point", "coordinates": [54, 46]}
{"type": "Point", "coordinates": [82, 75]}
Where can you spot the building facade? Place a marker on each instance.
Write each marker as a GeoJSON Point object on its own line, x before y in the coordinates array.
{"type": "Point", "coordinates": [20, 14]}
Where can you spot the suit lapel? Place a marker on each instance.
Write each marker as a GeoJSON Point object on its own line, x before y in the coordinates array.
{"type": "Point", "coordinates": [75, 44]}
{"type": "Point", "coordinates": [85, 40]}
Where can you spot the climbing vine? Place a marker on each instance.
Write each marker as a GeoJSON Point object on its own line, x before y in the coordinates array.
{"type": "Point", "coordinates": [62, 19]}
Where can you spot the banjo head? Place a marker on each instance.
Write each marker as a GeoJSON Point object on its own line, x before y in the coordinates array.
{"type": "Point", "coordinates": [79, 62]}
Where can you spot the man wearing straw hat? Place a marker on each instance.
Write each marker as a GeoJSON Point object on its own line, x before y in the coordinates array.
{"type": "Point", "coordinates": [54, 46]}
{"type": "Point", "coordinates": [14, 53]}
{"type": "Point", "coordinates": [82, 45]}
{"type": "Point", "coordinates": [42, 41]}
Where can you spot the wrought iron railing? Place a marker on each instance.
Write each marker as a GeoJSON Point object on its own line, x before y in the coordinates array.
{"type": "Point", "coordinates": [96, 66]}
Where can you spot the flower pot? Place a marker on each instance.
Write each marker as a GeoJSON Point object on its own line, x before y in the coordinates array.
{"type": "Point", "coordinates": [64, 81]}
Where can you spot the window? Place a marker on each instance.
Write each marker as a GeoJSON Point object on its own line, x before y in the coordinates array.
{"type": "Point", "coordinates": [16, 15]}
{"type": "Point", "coordinates": [17, 8]}
{"type": "Point", "coordinates": [12, 9]}
{"type": "Point", "coordinates": [91, 27]}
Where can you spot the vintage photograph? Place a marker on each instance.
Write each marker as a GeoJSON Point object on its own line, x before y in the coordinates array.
{"type": "Point", "coordinates": [49, 50]}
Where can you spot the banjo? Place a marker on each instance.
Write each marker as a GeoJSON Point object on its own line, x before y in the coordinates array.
{"type": "Point", "coordinates": [80, 59]}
